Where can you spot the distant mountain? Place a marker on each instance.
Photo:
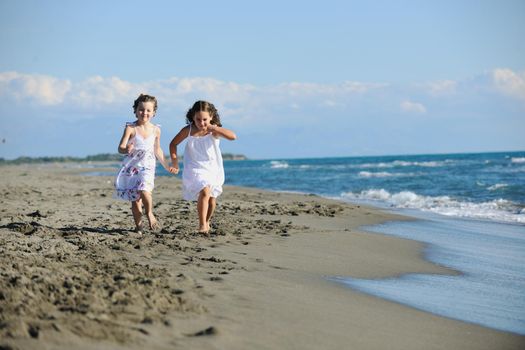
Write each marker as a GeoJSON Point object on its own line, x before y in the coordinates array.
{"type": "Point", "coordinates": [230, 156]}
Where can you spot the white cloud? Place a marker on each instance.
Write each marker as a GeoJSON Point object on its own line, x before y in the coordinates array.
{"type": "Point", "coordinates": [267, 110]}
{"type": "Point", "coordinates": [42, 89]}
{"type": "Point", "coordinates": [253, 103]}
{"type": "Point", "coordinates": [208, 86]}
{"type": "Point", "coordinates": [441, 87]}
{"type": "Point", "coordinates": [111, 93]}
{"type": "Point", "coordinates": [412, 107]}
{"type": "Point", "coordinates": [102, 91]}
{"type": "Point", "coordinates": [330, 103]}
{"type": "Point", "coordinates": [509, 82]}
{"type": "Point", "coordinates": [295, 89]}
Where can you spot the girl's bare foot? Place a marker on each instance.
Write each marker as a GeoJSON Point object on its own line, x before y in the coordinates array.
{"type": "Point", "coordinates": [154, 225]}
{"type": "Point", "coordinates": [205, 229]}
{"type": "Point", "coordinates": [139, 229]}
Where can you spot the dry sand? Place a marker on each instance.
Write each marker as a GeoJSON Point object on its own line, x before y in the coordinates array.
{"type": "Point", "coordinates": [73, 275]}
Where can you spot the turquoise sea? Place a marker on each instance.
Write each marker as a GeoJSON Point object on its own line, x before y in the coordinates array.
{"type": "Point", "coordinates": [471, 217]}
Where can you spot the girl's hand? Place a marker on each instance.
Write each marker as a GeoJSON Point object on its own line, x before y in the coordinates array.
{"type": "Point", "coordinates": [222, 132]}
{"type": "Point", "coordinates": [173, 170]}
{"type": "Point", "coordinates": [129, 148]}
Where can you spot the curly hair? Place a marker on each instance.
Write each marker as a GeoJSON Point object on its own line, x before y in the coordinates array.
{"type": "Point", "coordinates": [204, 106]}
{"type": "Point", "coordinates": [145, 98]}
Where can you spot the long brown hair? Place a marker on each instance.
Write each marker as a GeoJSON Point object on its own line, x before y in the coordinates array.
{"type": "Point", "coordinates": [204, 106]}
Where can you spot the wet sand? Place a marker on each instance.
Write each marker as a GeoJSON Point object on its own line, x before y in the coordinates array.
{"type": "Point", "coordinates": [75, 275]}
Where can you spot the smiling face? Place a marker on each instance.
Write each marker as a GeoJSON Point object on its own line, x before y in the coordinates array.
{"type": "Point", "coordinates": [145, 111]}
{"type": "Point", "coordinates": [201, 120]}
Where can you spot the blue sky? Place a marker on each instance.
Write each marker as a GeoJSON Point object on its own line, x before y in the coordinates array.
{"type": "Point", "coordinates": [292, 78]}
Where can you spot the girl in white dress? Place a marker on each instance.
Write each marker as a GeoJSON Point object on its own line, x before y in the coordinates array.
{"type": "Point", "coordinates": [141, 144]}
{"type": "Point", "coordinates": [203, 173]}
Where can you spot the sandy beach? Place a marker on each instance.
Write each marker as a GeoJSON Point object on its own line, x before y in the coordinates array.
{"type": "Point", "coordinates": [75, 275]}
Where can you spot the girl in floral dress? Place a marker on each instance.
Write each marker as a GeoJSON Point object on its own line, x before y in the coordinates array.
{"type": "Point", "coordinates": [141, 144]}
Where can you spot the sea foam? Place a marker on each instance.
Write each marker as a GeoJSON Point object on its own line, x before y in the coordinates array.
{"type": "Point", "coordinates": [402, 163]}
{"type": "Point", "coordinates": [497, 187]}
{"type": "Point", "coordinates": [277, 164]}
{"type": "Point", "coordinates": [497, 210]}
{"type": "Point", "coordinates": [517, 159]}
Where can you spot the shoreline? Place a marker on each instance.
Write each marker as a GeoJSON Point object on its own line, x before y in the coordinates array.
{"type": "Point", "coordinates": [486, 292]}
{"type": "Point", "coordinates": [259, 282]}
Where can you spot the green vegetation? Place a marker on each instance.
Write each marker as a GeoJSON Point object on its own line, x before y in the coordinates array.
{"type": "Point", "coordinates": [104, 157]}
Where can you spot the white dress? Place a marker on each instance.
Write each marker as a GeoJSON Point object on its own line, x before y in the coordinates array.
{"type": "Point", "coordinates": [138, 168]}
{"type": "Point", "coordinates": [202, 166]}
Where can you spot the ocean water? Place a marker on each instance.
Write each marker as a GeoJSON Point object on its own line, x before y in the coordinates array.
{"type": "Point", "coordinates": [490, 291]}
{"type": "Point", "coordinates": [489, 186]}
{"type": "Point", "coordinates": [471, 216]}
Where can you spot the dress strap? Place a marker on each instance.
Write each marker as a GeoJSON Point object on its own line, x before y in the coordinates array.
{"type": "Point", "coordinates": [157, 128]}
{"type": "Point", "coordinates": [189, 133]}
{"type": "Point", "coordinates": [132, 124]}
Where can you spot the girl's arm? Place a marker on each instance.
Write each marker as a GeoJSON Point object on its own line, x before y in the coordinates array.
{"type": "Point", "coordinates": [220, 131]}
{"type": "Point", "coordinates": [160, 154]}
{"type": "Point", "coordinates": [183, 133]}
{"type": "Point", "coordinates": [124, 147]}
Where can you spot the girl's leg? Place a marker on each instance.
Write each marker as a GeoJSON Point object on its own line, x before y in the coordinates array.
{"type": "Point", "coordinates": [136, 209]}
{"type": "Point", "coordinates": [212, 203]}
{"type": "Point", "coordinates": [148, 208]}
{"type": "Point", "coordinates": [202, 209]}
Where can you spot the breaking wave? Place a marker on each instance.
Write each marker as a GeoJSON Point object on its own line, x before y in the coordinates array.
{"type": "Point", "coordinates": [498, 210]}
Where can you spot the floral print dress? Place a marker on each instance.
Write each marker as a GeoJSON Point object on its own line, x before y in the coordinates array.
{"type": "Point", "coordinates": [138, 169]}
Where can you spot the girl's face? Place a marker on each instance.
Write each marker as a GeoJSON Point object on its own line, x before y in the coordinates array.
{"type": "Point", "coordinates": [202, 120]}
{"type": "Point", "coordinates": [145, 111]}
